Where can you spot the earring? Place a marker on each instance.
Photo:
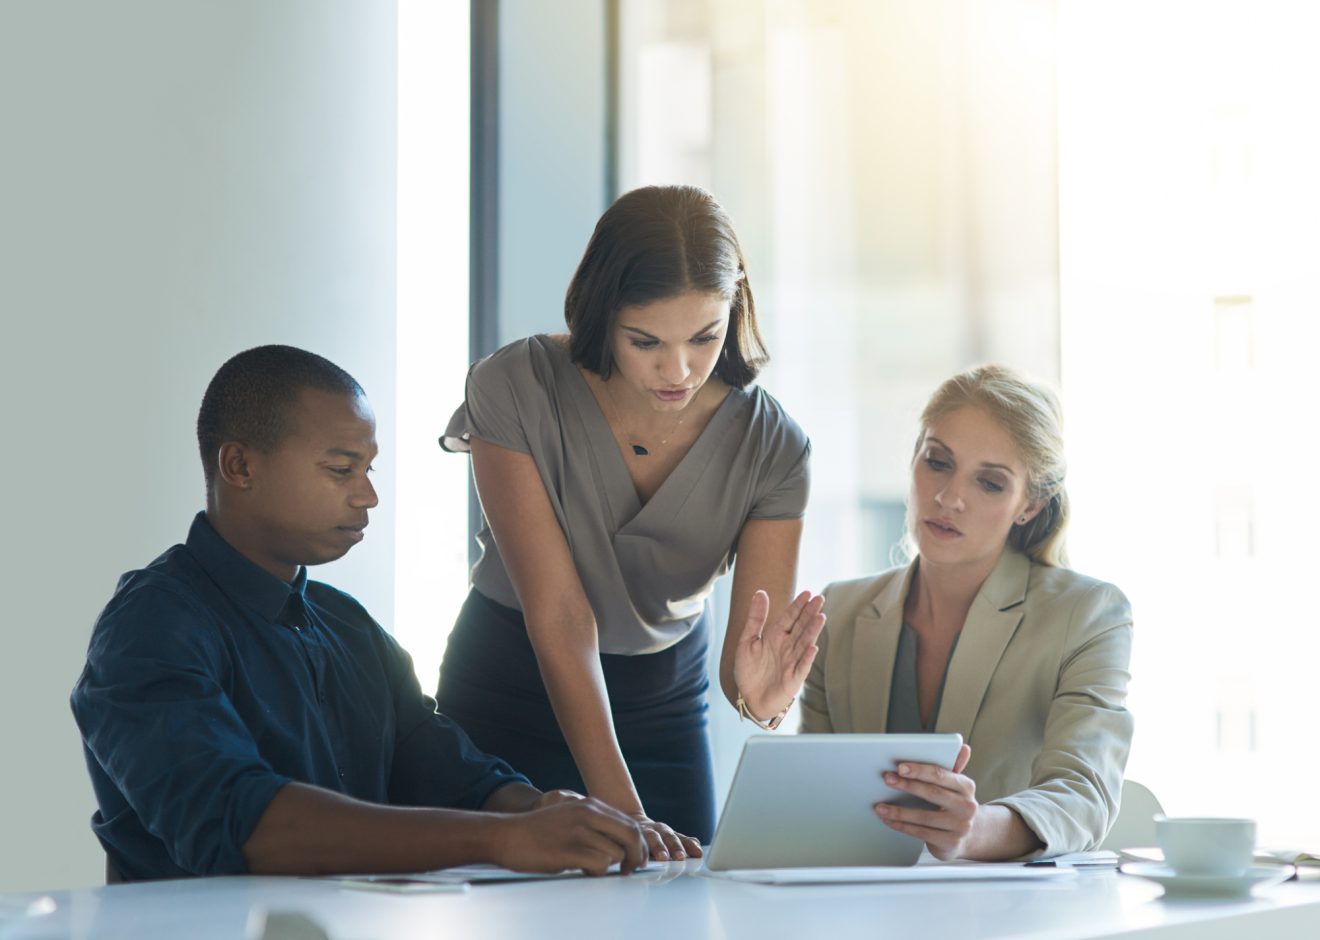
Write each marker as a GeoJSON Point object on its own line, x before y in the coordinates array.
{"type": "Point", "coordinates": [1022, 519]}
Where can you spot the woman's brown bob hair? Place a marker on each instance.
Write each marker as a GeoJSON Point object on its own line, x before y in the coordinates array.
{"type": "Point", "coordinates": [655, 243]}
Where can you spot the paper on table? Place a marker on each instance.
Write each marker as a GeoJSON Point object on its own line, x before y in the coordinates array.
{"type": "Point", "coordinates": [971, 871]}
{"type": "Point", "coordinates": [474, 874]}
{"type": "Point", "coordinates": [1260, 856]}
{"type": "Point", "coordinates": [467, 874]}
{"type": "Point", "coordinates": [1100, 858]}
{"type": "Point", "coordinates": [1305, 864]}
{"type": "Point", "coordinates": [402, 884]}
{"type": "Point", "coordinates": [1291, 856]}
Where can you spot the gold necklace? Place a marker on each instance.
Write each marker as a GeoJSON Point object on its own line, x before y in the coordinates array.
{"type": "Point", "coordinates": [638, 449]}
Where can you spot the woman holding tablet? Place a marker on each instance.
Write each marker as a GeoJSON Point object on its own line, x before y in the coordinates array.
{"type": "Point", "coordinates": [620, 468]}
{"type": "Point", "coordinates": [986, 633]}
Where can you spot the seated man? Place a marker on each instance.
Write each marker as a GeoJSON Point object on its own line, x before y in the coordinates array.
{"type": "Point", "coordinates": [237, 717]}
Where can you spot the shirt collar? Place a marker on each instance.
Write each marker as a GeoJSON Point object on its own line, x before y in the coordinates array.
{"type": "Point", "coordinates": [241, 579]}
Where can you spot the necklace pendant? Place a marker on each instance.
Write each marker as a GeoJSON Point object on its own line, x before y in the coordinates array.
{"type": "Point", "coordinates": [639, 450]}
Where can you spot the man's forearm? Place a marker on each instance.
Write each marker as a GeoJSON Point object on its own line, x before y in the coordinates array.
{"type": "Point", "coordinates": [310, 830]}
{"type": "Point", "coordinates": [512, 798]}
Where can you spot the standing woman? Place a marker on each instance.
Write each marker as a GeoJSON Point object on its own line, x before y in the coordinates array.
{"type": "Point", "coordinates": [988, 634]}
{"type": "Point", "coordinates": [620, 469]}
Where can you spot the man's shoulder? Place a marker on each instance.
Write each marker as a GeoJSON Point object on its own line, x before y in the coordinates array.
{"type": "Point", "coordinates": [331, 598]}
{"type": "Point", "coordinates": [350, 622]}
{"type": "Point", "coordinates": [344, 611]}
{"type": "Point", "coordinates": [173, 578]}
{"type": "Point", "coordinates": [164, 613]}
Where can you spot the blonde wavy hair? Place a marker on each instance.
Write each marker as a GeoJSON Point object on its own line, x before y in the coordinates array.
{"type": "Point", "coordinates": [1031, 414]}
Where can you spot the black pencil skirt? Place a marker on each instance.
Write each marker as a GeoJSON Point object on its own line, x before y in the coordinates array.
{"type": "Point", "coordinates": [491, 685]}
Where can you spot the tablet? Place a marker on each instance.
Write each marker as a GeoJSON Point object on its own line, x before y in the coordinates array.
{"type": "Point", "coordinates": [806, 800]}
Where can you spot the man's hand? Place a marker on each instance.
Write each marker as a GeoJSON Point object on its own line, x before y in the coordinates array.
{"type": "Point", "coordinates": [569, 831]}
{"type": "Point", "coordinates": [555, 797]}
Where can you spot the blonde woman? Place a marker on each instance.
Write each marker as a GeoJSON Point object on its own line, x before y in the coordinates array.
{"type": "Point", "coordinates": [986, 633]}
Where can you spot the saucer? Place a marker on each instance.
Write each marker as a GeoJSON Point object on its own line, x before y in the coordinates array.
{"type": "Point", "coordinates": [1222, 886]}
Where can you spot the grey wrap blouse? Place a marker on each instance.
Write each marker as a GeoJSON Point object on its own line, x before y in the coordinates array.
{"type": "Point", "coordinates": [647, 569]}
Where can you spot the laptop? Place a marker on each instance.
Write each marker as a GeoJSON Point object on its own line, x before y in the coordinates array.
{"type": "Point", "coordinates": [806, 801]}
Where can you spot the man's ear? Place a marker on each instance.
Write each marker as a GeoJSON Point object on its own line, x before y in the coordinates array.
{"type": "Point", "coordinates": [235, 469]}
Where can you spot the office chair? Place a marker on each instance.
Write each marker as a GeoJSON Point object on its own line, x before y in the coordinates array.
{"type": "Point", "coordinates": [1135, 825]}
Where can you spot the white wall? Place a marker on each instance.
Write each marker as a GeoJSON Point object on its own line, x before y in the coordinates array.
{"type": "Point", "coordinates": [179, 180]}
{"type": "Point", "coordinates": [551, 155]}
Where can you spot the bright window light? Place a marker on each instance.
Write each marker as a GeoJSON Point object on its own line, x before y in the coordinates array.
{"type": "Point", "coordinates": [432, 530]}
{"type": "Point", "coordinates": [1188, 233]}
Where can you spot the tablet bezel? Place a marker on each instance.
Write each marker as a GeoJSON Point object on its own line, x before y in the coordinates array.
{"type": "Point", "coordinates": [806, 800]}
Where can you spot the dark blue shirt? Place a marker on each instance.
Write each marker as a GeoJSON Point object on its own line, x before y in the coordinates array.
{"type": "Point", "coordinates": [210, 684]}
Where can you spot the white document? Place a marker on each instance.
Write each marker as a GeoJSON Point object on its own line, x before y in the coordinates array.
{"type": "Point", "coordinates": [464, 875]}
{"type": "Point", "coordinates": [860, 874]}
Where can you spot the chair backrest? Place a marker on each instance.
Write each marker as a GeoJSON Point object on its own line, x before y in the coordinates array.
{"type": "Point", "coordinates": [112, 874]}
{"type": "Point", "coordinates": [1135, 825]}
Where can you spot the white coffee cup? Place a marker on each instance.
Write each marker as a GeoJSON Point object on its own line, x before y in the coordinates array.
{"type": "Point", "coordinates": [1206, 845]}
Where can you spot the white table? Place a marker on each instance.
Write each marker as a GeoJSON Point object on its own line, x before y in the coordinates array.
{"type": "Point", "coordinates": [677, 904]}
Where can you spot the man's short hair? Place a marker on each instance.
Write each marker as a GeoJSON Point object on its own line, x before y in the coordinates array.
{"type": "Point", "coordinates": [251, 398]}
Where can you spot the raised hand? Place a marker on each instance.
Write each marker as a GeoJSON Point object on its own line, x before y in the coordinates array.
{"type": "Point", "coordinates": [772, 662]}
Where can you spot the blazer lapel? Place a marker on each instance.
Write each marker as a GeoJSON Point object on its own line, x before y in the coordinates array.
{"type": "Point", "coordinates": [994, 618]}
{"type": "Point", "coordinates": [875, 645]}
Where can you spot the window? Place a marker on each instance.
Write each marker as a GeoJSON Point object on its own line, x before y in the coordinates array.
{"type": "Point", "coordinates": [431, 566]}
{"type": "Point", "coordinates": [1187, 235]}
{"type": "Point", "coordinates": [890, 169]}
{"type": "Point", "coordinates": [1120, 197]}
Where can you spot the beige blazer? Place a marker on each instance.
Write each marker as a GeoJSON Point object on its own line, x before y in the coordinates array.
{"type": "Point", "coordinates": [1037, 686]}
